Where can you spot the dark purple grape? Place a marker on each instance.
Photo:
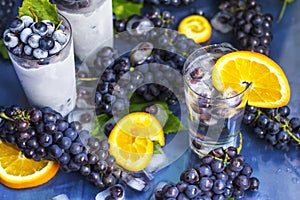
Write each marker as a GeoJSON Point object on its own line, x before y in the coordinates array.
{"type": "Point", "coordinates": [206, 184]}
{"type": "Point", "coordinates": [254, 184]}
{"type": "Point", "coordinates": [217, 166]}
{"type": "Point", "coordinates": [192, 191]}
{"type": "Point", "coordinates": [55, 151]}
{"type": "Point", "coordinates": [219, 186]}
{"type": "Point", "coordinates": [204, 170]}
{"type": "Point", "coordinates": [45, 139]}
{"type": "Point", "coordinates": [190, 176]}
{"type": "Point", "coordinates": [237, 163]}
{"type": "Point", "coordinates": [242, 182]}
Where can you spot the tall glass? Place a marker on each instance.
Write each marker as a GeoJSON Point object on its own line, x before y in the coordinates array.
{"type": "Point", "coordinates": [214, 119]}
{"type": "Point", "coordinates": [91, 22]}
{"type": "Point", "coordinates": [50, 81]}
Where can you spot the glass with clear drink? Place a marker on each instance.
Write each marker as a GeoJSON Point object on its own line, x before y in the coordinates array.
{"type": "Point", "coordinates": [214, 118]}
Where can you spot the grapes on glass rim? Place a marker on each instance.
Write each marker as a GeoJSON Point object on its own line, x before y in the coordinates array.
{"type": "Point", "coordinates": [44, 134]}
{"type": "Point", "coordinates": [209, 179]}
{"type": "Point", "coordinates": [153, 18]}
{"type": "Point", "coordinates": [274, 125]}
{"type": "Point", "coordinates": [168, 2]}
{"type": "Point", "coordinates": [37, 40]}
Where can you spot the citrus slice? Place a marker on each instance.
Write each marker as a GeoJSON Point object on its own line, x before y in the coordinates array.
{"type": "Point", "coordinates": [269, 85]}
{"type": "Point", "coordinates": [131, 140]}
{"type": "Point", "coordinates": [195, 27]}
{"type": "Point", "coordinates": [17, 171]}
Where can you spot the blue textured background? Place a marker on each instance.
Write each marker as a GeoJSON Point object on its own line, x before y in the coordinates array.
{"type": "Point", "coordinates": [280, 178]}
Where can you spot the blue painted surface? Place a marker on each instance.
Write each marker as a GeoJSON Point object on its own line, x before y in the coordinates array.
{"type": "Point", "coordinates": [278, 171]}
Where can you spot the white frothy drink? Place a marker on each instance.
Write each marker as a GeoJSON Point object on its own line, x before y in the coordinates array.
{"type": "Point", "coordinates": [50, 81]}
{"type": "Point", "coordinates": [92, 24]}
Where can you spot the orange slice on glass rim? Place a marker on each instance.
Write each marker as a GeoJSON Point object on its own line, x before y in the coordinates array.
{"type": "Point", "coordinates": [195, 27]}
{"type": "Point", "coordinates": [269, 85]}
{"type": "Point", "coordinates": [131, 140]}
{"type": "Point", "coordinates": [17, 171]}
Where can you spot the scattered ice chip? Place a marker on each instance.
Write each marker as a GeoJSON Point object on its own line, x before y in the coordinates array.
{"type": "Point", "coordinates": [158, 160]}
{"type": "Point", "coordinates": [136, 183]}
{"type": "Point", "coordinates": [60, 197]}
{"type": "Point", "coordinates": [116, 192]}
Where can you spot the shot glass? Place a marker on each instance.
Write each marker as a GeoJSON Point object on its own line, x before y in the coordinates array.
{"type": "Point", "coordinates": [214, 118]}
{"type": "Point", "coordinates": [91, 22]}
{"type": "Point", "coordinates": [49, 81]}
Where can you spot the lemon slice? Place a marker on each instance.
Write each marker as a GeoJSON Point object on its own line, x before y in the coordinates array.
{"type": "Point", "coordinates": [17, 171]}
{"type": "Point", "coordinates": [269, 85]}
{"type": "Point", "coordinates": [131, 140]}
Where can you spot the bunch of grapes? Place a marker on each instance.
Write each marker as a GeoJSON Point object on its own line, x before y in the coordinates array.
{"type": "Point", "coordinates": [45, 134]}
{"type": "Point", "coordinates": [169, 2]}
{"type": "Point", "coordinates": [154, 18]}
{"type": "Point", "coordinates": [250, 27]}
{"type": "Point", "coordinates": [274, 125]}
{"type": "Point", "coordinates": [151, 70]}
{"type": "Point", "coordinates": [6, 14]}
{"type": "Point", "coordinates": [219, 175]}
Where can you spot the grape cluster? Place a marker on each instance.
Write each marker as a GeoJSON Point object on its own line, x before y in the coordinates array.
{"type": "Point", "coordinates": [250, 27]}
{"type": "Point", "coordinates": [151, 73]}
{"type": "Point", "coordinates": [219, 175]}
{"type": "Point", "coordinates": [36, 40]}
{"type": "Point", "coordinates": [169, 2]}
{"type": "Point", "coordinates": [274, 125]}
{"type": "Point", "coordinates": [45, 134]}
{"type": "Point", "coordinates": [154, 18]}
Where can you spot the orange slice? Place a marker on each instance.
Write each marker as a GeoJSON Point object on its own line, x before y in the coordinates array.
{"type": "Point", "coordinates": [17, 171]}
{"type": "Point", "coordinates": [131, 140]}
{"type": "Point", "coordinates": [195, 27]}
{"type": "Point", "coordinates": [269, 88]}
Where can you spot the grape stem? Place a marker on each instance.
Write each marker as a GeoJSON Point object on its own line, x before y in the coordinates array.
{"type": "Point", "coordinates": [88, 79]}
{"type": "Point", "coordinates": [4, 116]}
{"type": "Point", "coordinates": [285, 2]}
{"type": "Point", "coordinates": [286, 129]}
{"type": "Point", "coordinates": [239, 149]}
{"type": "Point", "coordinates": [33, 14]}
{"type": "Point", "coordinates": [284, 126]}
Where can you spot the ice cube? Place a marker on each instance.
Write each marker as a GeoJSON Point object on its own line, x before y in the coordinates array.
{"type": "Point", "coordinates": [77, 115]}
{"type": "Point", "coordinates": [60, 197]}
{"type": "Point", "coordinates": [158, 160]}
{"type": "Point", "coordinates": [136, 183]}
{"type": "Point", "coordinates": [232, 100]}
{"type": "Point", "coordinates": [108, 193]}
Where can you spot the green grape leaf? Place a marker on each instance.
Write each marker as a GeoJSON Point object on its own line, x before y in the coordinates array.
{"type": "Point", "coordinates": [230, 198]}
{"type": "Point", "coordinates": [124, 8]}
{"type": "Point", "coordinates": [156, 148]}
{"type": "Point", "coordinates": [171, 125]}
{"type": "Point", "coordinates": [100, 120]}
{"type": "Point", "coordinates": [3, 50]}
{"type": "Point", "coordinates": [39, 10]}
